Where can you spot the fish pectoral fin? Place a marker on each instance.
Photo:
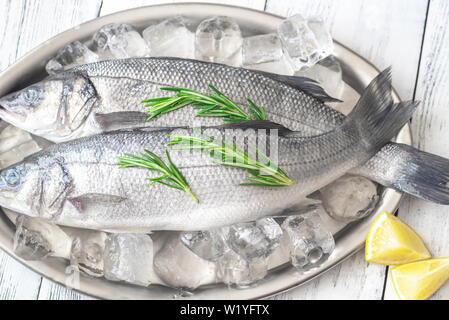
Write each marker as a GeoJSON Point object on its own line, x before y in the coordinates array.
{"type": "Point", "coordinates": [117, 120]}
{"type": "Point", "coordinates": [306, 85]}
{"type": "Point", "coordinates": [315, 196]}
{"type": "Point", "coordinates": [82, 202]}
{"type": "Point", "coordinates": [258, 124]}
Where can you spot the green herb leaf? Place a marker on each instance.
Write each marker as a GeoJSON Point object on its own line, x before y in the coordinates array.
{"type": "Point", "coordinates": [214, 105]}
{"type": "Point", "coordinates": [171, 176]}
{"type": "Point", "coordinates": [263, 172]}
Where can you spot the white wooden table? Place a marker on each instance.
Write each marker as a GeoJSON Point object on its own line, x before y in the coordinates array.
{"type": "Point", "coordinates": [410, 35]}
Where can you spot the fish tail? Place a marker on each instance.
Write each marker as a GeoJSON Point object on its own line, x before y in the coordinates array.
{"type": "Point", "coordinates": [376, 115]}
{"type": "Point", "coordinates": [425, 176]}
{"type": "Point", "coordinates": [418, 173]}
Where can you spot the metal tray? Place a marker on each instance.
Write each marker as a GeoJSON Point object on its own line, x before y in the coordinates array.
{"type": "Point", "coordinates": [349, 238]}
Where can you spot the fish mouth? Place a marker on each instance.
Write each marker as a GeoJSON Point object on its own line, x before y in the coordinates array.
{"type": "Point", "coordinates": [4, 107]}
{"type": "Point", "coordinates": [4, 112]}
{"type": "Point", "coordinates": [7, 112]}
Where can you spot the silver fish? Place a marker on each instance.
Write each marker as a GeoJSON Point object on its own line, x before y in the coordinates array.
{"type": "Point", "coordinates": [106, 96]}
{"type": "Point", "coordinates": [78, 183]}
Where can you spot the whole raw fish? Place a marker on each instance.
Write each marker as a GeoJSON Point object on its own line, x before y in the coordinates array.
{"type": "Point", "coordinates": [79, 184]}
{"type": "Point", "coordinates": [107, 95]}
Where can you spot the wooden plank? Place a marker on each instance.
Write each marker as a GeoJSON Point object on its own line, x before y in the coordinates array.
{"type": "Point", "coordinates": [23, 25]}
{"type": "Point", "coordinates": [10, 22]}
{"type": "Point", "coordinates": [52, 291]}
{"type": "Point", "coordinates": [111, 6]}
{"type": "Point", "coordinates": [429, 127]}
{"type": "Point", "coordinates": [16, 280]}
{"type": "Point", "coordinates": [386, 33]}
{"type": "Point", "coordinates": [43, 19]}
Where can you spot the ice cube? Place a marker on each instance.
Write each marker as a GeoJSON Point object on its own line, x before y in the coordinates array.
{"type": "Point", "coordinates": [305, 42]}
{"type": "Point", "coordinates": [219, 39]}
{"type": "Point", "coordinates": [328, 74]}
{"type": "Point", "coordinates": [73, 54]}
{"type": "Point", "coordinates": [129, 257]}
{"type": "Point", "coordinates": [262, 48]}
{"type": "Point", "coordinates": [254, 241]}
{"type": "Point", "coordinates": [15, 144]}
{"type": "Point", "coordinates": [232, 269]}
{"type": "Point", "coordinates": [36, 239]}
{"type": "Point", "coordinates": [179, 267]}
{"type": "Point", "coordinates": [349, 198]}
{"type": "Point", "coordinates": [119, 40]}
{"type": "Point", "coordinates": [87, 251]}
{"type": "Point", "coordinates": [265, 53]}
{"type": "Point", "coordinates": [209, 245]}
{"type": "Point", "coordinates": [309, 242]}
{"type": "Point", "coordinates": [170, 38]}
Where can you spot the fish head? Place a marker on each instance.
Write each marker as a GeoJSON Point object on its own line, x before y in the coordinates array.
{"type": "Point", "coordinates": [36, 187]}
{"type": "Point", "coordinates": [53, 108]}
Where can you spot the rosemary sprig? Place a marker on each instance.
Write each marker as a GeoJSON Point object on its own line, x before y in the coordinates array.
{"type": "Point", "coordinates": [214, 105]}
{"type": "Point", "coordinates": [171, 176]}
{"type": "Point", "coordinates": [263, 172]}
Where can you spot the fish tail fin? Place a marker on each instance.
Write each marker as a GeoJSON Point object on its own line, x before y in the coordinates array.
{"type": "Point", "coordinates": [424, 175]}
{"type": "Point", "coordinates": [418, 173]}
{"type": "Point", "coordinates": [375, 114]}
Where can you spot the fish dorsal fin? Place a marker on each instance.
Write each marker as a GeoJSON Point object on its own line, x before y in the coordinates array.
{"type": "Point", "coordinates": [116, 120]}
{"type": "Point", "coordinates": [258, 124]}
{"type": "Point", "coordinates": [307, 85]}
{"type": "Point", "coordinates": [315, 195]}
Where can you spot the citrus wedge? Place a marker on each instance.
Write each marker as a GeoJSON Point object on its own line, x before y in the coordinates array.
{"type": "Point", "coordinates": [419, 280]}
{"type": "Point", "coordinates": [391, 241]}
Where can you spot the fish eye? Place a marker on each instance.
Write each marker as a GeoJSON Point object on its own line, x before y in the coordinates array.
{"type": "Point", "coordinates": [12, 178]}
{"type": "Point", "coordinates": [32, 95]}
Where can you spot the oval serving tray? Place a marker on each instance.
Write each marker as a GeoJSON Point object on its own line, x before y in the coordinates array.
{"type": "Point", "coordinates": [349, 238]}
